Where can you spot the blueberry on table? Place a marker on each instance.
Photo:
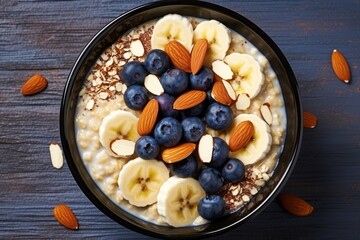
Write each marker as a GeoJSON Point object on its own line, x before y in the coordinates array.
{"type": "Point", "coordinates": [233, 170]}
{"type": "Point", "coordinates": [211, 180]}
{"type": "Point", "coordinates": [166, 103]}
{"type": "Point", "coordinates": [133, 73]}
{"type": "Point", "coordinates": [168, 132]}
{"type": "Point", "coordinates": [218, 117]}
{"type": "Point", "coordinates": [185, 168]}
{"type": "Point", "coordinates": [147, 147]}
{"type": "Point", "coordinates": [136, 97]}
{"type": "Point", "coordinates": [174, 81]}
{"type": "Point", "coordinates": [219, 154]}
{"type": "Point", "coordinates": [203, 80]}
{"type": "Point", "coordinates": [193, 129]}
{"type": "Point", "coordinates": [157, 62]}
{"type": "Point", "coordinates": [211, 207]}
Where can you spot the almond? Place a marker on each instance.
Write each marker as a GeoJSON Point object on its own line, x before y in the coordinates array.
{"type": "Point", "coordinates": [178, 153]}
{"type": "Point", "coordinates": [198, 54]}
{"type": "Point", "coordinates": [148, 117]}
{"type": "Point", "coordinates": [64, 215]}
{"type": "Point", "coordinates": [340, 66]}
{"type": "Point", "coordinates": [220, 94]}
{"type": "Point", "coordinates": [241, 135]}
{"type": "Point", "coordinates": [189, 99]}
{"type": "Point", "coordinates": [295, 205]}
{"type": "Point", "coordinates": [179, 55]}
{"type": "Point", "coordinates": [310, 120]}
{"type": "Point", "coordinates": [56, 155]}
{"type": "Point", "coordinates": [33, 85]}
{"type": "Point", "coordinates": [217, 78]}
{"type": "Point", "coordinates": [266, 113]}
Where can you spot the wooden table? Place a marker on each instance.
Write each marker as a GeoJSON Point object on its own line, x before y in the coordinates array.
{"type": "Point", "coordinates": [46, 37]}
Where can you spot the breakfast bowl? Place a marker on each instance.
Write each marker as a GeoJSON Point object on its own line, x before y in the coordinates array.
{"type": "Point", "coordinates": [101, 122]}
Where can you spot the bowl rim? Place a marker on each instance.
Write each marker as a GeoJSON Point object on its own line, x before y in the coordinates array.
{"type": "Point", "coordinates": [214, 7]}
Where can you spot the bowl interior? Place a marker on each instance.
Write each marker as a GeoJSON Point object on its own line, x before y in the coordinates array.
{"type": "Point", "coordinates": [105, 38]}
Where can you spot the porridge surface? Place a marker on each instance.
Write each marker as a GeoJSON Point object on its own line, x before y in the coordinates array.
{"type": "Point", "coordinates": [102, 94]}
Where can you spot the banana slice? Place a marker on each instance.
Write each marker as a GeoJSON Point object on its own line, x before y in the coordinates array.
{"type": "Point", "coordinates": [172, 27]}
{"type": "Point", "coordinates": [259, 146]}
{"type": "Point", "coordinates": [177, 200]}
{"type": "Point", "coordinates": [140, 181]}
{"type": "Point", "coordinates": [248, 76]}
{"type": "Point", "coordinates": [118, 125]}
{"type": "Point", "coordinates": [218, 37]}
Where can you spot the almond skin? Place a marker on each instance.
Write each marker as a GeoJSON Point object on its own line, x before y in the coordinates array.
{"type": "Point", "coordinates": [33, 85]}
{"type": "Point", "coordinates": [241, 135]}
{"type": "Point", "coordinates": [340, 66]}
{"type": "Point", "coordinates": [295, 205]}
{"type": "Point", "coordinates": [189, 99]}
{"type": "Point", "coordinates": [179, 55]}
{"type": "Point", "coordinates": [65, 216]}
{"type": "Point", "coordinates": [220, 94]}
{"type": "Point", "coordinates": [310, 120]}
{"type": "Point", "coordinates": [198, 54]}
{"type": "Point", "coordinates": [178, 153]}
{"type": "Point", "coordinates": [148, 118]}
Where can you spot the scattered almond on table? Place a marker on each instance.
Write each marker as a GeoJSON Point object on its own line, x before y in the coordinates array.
{"type": "Point", "coordinates": [56, 155]}
{"type": "Point", "coordinates": [34, 85]}
{"type": "Point", "coordinates": [340, 66]}
{"type": "Point", "coordinates": [295, 205]}
{"type": "Point", "coordinates": [65, 216]}
{"type": "Point", "coordinates": [310, 120]}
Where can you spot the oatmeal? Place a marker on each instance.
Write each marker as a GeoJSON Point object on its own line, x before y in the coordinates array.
{"type": "Point", "coordinates": [180, 132]}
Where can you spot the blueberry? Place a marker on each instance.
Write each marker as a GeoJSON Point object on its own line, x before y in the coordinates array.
{"type": "Point", "coordinates": [218, 117]}
{"type": "Point", "coordinates": [174, 81]}
{"type": "Point", "coordinates": [211, 207]}
{"type": "Point", "coordinates": [168, 132]}
{"type": "Point", "coordinates": [133, 73]}
{"type": "Point", "coordinates": [211, 180]}
{"type": "Point", "coordinates": [233, 170]}
{"type": "Point", "coordinates": [196, 111]}
{"type": "Point", "coordinates": [193, 129]}
{"type": "Point", "coordinates": [203, 80]}
{"type": "Point", "coordinates": [166, 102]}
{"type": "Point", "coordinates": [220, 153]}
{"type": "Point", "coordinates": [136, 97]}
{"type": "Point", "coordinates": [209, 98]}
{"type": "Point", "coordinates": [157, 62]}
{"type": "Point", "coordinates": [147, 147]}
{"type": "Point", "coordinates": [185, 168]}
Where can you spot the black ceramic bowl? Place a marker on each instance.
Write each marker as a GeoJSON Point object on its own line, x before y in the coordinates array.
{"type": "Point", "coordinates": [249, 30]}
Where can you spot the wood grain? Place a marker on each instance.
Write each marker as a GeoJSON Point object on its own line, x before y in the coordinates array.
{"type": "Point", "coordinates": [46, 37]}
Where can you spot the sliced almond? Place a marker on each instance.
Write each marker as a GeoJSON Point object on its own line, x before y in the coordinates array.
{"type": "Point", "coordinates": [243, 101]}
{"type": "Point", "coordinates": [153, 85]}
{"type": "Point", "coordinates": [148, 117]}
{"type": "Point", "coordinates": [189, 99]}
{"type": "Point", "coordinates": [56, 155]}
{"type": "Point", "coordinates": [230, 90]}
{"type": "Point", "coordinates": [198, 54]}
{"type": "Point", "coordinates": [241, 135]}
{"type": "Point", "coordinates": [205, 148]}
{"type": "Point", "coordinates": [310, 120]}
{"type": "Point", "coordinates": [220, 94]}
{"type": "Point", "coordinates": [65, 216]}
{"type": "Point", "coordinates": [340, 66]}
{"type": "Point", "coordinates": [137, 48]}
{"type": "Point", "coordinates": [178, 153]}
{"type": "Point", "coordinates": [222, 69]}
{"type": "Point", "coordinates": [123, 147]}
{"type": "Point", "coordinates": [266, 113]}
{"type": "Point", "coordinates": [90, 104]}
{"type": "Point", "coordinates": [295, 205]}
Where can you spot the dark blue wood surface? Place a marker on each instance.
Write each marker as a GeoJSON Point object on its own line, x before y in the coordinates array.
{"type": "Point", "coordinates": [46, 37]}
